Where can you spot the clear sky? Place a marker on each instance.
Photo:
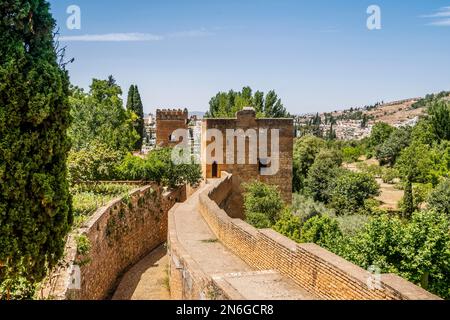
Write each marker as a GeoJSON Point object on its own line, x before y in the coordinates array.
{"type": "Point", "coordinates": [318, 55]}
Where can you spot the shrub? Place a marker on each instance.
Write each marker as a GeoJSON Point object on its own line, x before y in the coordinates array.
{"type": "Point", "coordinates": [159, 167]}
{"type": "Point", "coordinates": [388, 175]}
{"type": "Point", "coordinates": [95, 162]}
{"type": "Point", "coordinates": [289, 225]}
{"type": "Point", "coordinates": [321, 230]}
{"type": "Point", "coordinates": [306, 208]}
{"type": "Point", "coordinates": [351, 154]}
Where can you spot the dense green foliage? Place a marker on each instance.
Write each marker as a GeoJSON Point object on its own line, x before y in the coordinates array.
{"type": "Point", "coordinates": [93, 163]}
{"type": "Point", "coordinates": [100, 118]}
{"type": "Point", "coordinates": [158, 167]}
{"type": "Point", "coordinates": [226, 104]}
{"type": "Point", "coordinates": [88, 197]}
{"type": "Point", "coordinates": [380, 133]}
{"type": "Point", "coordinates": [35, 204]}
{"type": "Point", "coordinates": [439, 199]}
{"type": "Point", "coordinates": [305, 151]}
{"type": "Point", "coordinates": [388, 152]}
{"type": "Point", "coordinates": [134, 104]}
{"type": "Point", "coordinates": [262, 204]}
{"type": "Point", "coordinates": [350, 190]}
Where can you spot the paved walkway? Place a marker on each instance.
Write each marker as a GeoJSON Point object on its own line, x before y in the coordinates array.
{"type": "Point", "coordinates": [147, 280]}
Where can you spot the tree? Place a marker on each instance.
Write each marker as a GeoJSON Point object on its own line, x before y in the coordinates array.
{"type": "Point", "coordinates": [99, 117]}
{"type": "Point", "coordinates": [439, 115]}
{"type": "Point", "coordinates": [305, 152]}
{"type": "Point", "coordinates": [35, 204]}
{"type": "Point", "coordinates": [426, 252]}
{"type": "Point", "coordinates": [289, 225]}
{"type": "Point", "coordinates": [408, 206]}
{"type": "Point", "coordinates": [321, 176]}
{"type": "Point", "coordinates": [439, 199]}
{"type": "Point", "coordinates": [415, 163]}
{"type": "Point", "coordinates": [380, 133]}
{"type": "Point", "coordinates": [225, 105]}
{"type": "Point", "coordinates": [134, 104]}
{"type": "Point", "coordinates": [262, 203]}
{"type": "Point", "coordinates": [389, 151]}
{"type": "Point", "coordinates": [350, 190]}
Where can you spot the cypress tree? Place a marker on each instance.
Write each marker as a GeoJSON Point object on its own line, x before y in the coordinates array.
{"type": "Point", "coordinates": [35, 204]}
{"type": "Point", "coordinates": [134, 104]}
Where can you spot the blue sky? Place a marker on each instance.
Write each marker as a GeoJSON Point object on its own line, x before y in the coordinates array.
{"type": "Point", "coordinates": [318, 55]}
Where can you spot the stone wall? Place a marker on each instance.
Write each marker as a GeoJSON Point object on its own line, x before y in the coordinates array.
{"type": "Point", "coordinates": [315, 269]}
{"type": "Point", "coordinates": [120, 234]}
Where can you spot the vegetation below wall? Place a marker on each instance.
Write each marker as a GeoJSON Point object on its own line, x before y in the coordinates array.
{"type": "Point", "coordinates": [337, 209]}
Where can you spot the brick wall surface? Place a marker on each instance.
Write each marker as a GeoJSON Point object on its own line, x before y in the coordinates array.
{"type": "Point", "coordinates": [121, 234]}
{"type": "Point", "coordinates": [317, 270]}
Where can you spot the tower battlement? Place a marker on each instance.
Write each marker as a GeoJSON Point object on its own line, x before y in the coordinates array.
{"type": "Point", "coordinates": [171, 114]}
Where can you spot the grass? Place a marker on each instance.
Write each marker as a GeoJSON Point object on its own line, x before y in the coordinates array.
{"type": "Point", "coordinates": [88, 198]}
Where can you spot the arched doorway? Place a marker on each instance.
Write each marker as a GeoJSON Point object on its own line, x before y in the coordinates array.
{"type": "Point", "coordinates": [215, 170]}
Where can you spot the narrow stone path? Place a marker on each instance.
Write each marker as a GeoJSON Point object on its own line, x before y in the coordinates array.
{"type": "Point", "coordinates": [147, 280]}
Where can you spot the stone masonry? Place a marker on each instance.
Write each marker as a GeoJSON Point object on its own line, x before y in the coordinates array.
{"type": "Point", "coordinates": [167, 121]}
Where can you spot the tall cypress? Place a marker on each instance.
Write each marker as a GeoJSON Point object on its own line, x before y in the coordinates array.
{"type": "Point", "coordinates": [35, 204]}
{"type": "Point", "coordinates": [134, 104]}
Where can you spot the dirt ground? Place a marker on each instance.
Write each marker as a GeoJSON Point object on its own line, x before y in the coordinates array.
{"type": "Point", "coordinates": [389, 195]}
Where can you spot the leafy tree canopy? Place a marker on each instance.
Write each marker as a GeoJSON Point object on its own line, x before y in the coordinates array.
{"type": "Point", "coordinates": [226, 104]}
{"type": "Point", "coordinates": [99, 117]}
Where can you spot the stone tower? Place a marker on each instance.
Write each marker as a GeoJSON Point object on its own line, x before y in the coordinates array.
{"type": "Point", "coordinates": [248, 129]}
{"type": "Point", "coordinates": [167, 121]}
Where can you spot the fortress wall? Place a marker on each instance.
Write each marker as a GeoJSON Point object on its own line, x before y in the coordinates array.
{"type": "Point", "coordinates": [317, 270]}
{"type": "Point", "coordinates": [120, 234]}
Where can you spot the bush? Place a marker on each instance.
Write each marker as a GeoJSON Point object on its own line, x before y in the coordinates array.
{"type": "Point", "coordinates": [94, 163]}
{"type": "Point", "coordinates": [263, 204]}
{"type": "Point", "coordinates": [289, 225]}
{"type": "Point", "coordinates": [159, 167]}
{"type": "Point", "coordinates": [388, 175]}
{"type": "Point", "coordinates": [306, 208]}
{"type": "Point", "coordinates": [321, 230]}
{"type": "Point", "coordinates": [351, 154]}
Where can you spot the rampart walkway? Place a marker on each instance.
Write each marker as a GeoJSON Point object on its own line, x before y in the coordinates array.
{"type": "Point", "coordinates": [226, 268]}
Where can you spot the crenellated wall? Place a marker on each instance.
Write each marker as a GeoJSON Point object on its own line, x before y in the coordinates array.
{"type": "Point", "coordinates": [313, 268]}
{"type": "Point", "coordinates": [120, 234]}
